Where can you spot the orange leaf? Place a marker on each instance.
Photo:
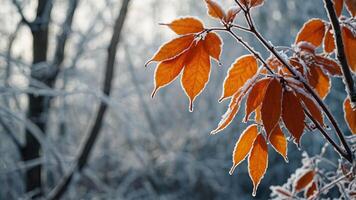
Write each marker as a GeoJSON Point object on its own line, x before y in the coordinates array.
{"type": "Point", "coordinates": [350, 46]}
{"type": "Point", "coordinates": [311, 190]}
{"type": "Point", "coordinates": [319, 81]}
{"type": "Point", "coordinates": [313, 108]}
{"type": "Point", "coordinates": [173, 48]}
{"type": "Point", "coordinates": [243, 146]}
{"type": "Point", "coordinates": [256, 96]}
{"type": "Point", "coordinates": [272, 106]}
{"type": "Point", "coordinates": [230, 114]}
{"type": "Point", "coordinates": [167, 71]}
{"type": "Point", "coordinates": [258, 161]}
{"type": "Point", "coordinates": [329, 65]}
{"type": "Point", "coordinates": [313, 31]}
{"type": "Point", "coordinates": [215, 10]}
{"type": "Point", "coordinates": [196, 72]}
{"type": "Point", "coordinates": [186, 25]}
{"type": "Point", "coordinates": [251, 3]}
{"type": "Point", "coordinates": [231, 14]}
{"type": "Point", "coordinates": [302, 182]}
{"type": "Point", "coordinates": [213, 45]}
{"type": "Point", "coordinates": [329, 41]}
{"type": "Point", "coordinates": [255, 3]}
{"type": "Point", "coordinates": [239, 73]}
{"type": "Point", "coordinates": [338, 4]}
{"type": "Point", "coordinates": [350, 115]}
{"type": "Point", "coordinates": [293, 115]}
{"type": "Point", "coordinates": [351, 6]}
{"type": "Point", "coordinates": [279, 142]}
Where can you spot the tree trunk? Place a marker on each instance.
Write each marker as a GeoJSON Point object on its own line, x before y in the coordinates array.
{"type": "Point", "coordinates": [38, 105]}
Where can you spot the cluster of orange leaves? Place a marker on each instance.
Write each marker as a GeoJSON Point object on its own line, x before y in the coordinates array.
{"type": "Point", "coordinates": [278, 101]}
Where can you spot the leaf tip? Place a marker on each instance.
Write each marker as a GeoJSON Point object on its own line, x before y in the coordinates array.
{"type": "Point", "coordinates": [191, 106]}
{"type": "Point", "coordinates": [232, 170]}
{"type": "Point", "coordinates": [147, 63]}
{"type": "Point", "coordinates": [254, 192]}
{"type": "Point", "coordinates": [286, 159]}
{"type": "Point", "coordinates": [154, 92]}
{"type": "Point", "coordinates": [222, 98]}
{"type": "Point", "coordinates": [245, 119]}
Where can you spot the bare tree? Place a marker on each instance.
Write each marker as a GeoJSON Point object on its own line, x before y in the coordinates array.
{"type": "Point", "coordinates": [44, 72]}
{"type": "Point", "coordinates": [84, 154]}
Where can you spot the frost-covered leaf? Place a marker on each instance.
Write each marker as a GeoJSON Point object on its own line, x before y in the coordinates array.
{"type": "Point", "coordinates": [243, 146]}
{"type": "Point", "coordinates": [293, 115]}
{"type": "Point", "coordinates": [196, 72]}
{"type": "Point", "coordinates": [243, 69]}
{"type": "Point", "coordinates": [173, 48]}
{"type": "Point", "coordinates": [251, 3]}
{"type": "Point", "coordinates": [258, 161]}
{"type": "Point", "coordinates": [279, 142]}
{"type": "Point", "coordinates": [303, 181]}
{"type": "Point", "coordinates": [319, 81]}
{"type": "Point", "coordinates": [186, 25]}
{"type": "Point", "coordinates": [313, 32]}
{"type": "Point", "coordinates": [329, 41]}
{"type": "Point", "coordinates": [351, 7]}
{"type": "Point", "coordinates": [350, 46]}
{"type": "Point", "coordinates": [230, 114]}
{"type": "Point", "coordinates": [231, 14]}
{"type": "Point", "coordinates": [213, 45]}
{"type": "Point", "coordinates": [339, 5]}
{"type": "Point", "coordinates": [272, 106]}
{"type": "Point", "coordinates": [215, 10]}
{"type": "Point", "coordinates": [350, 115]}
{"type": "Point", "coordinates": [167, 71]}
{"type": "Point", "coordinates": [256, 96]}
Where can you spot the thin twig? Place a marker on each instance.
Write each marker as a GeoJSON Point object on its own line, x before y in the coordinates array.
{"type": "Point", "coordinates": [19, 9]}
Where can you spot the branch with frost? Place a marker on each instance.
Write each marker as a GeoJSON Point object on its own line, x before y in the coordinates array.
{"type": "Point", "coordinates": [348, 79]}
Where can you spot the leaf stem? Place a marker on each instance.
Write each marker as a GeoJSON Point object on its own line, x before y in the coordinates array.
{"type": "Point", "coordinates": [250, 49]}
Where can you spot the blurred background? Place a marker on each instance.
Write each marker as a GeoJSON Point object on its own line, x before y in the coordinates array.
{"type": "Point", "coordinates": [53, 59]}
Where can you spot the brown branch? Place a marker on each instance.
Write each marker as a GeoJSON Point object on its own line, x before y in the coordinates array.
{"type": "Point", "coordinates": [348, 80]}
{"type": "Point", "coordinates": [325, 134]}
{"type": "Point", "coordinates": [250, 49]}
{"type": "Point", "coordinates": [348, 156]}
{"type": "Point", "coordinates": [84, 154]}
{"type": "Point", "coordinates": [312, 92]}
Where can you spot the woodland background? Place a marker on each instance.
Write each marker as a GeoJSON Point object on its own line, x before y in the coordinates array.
{"type": "Point", "coordinates": [146, 148]}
